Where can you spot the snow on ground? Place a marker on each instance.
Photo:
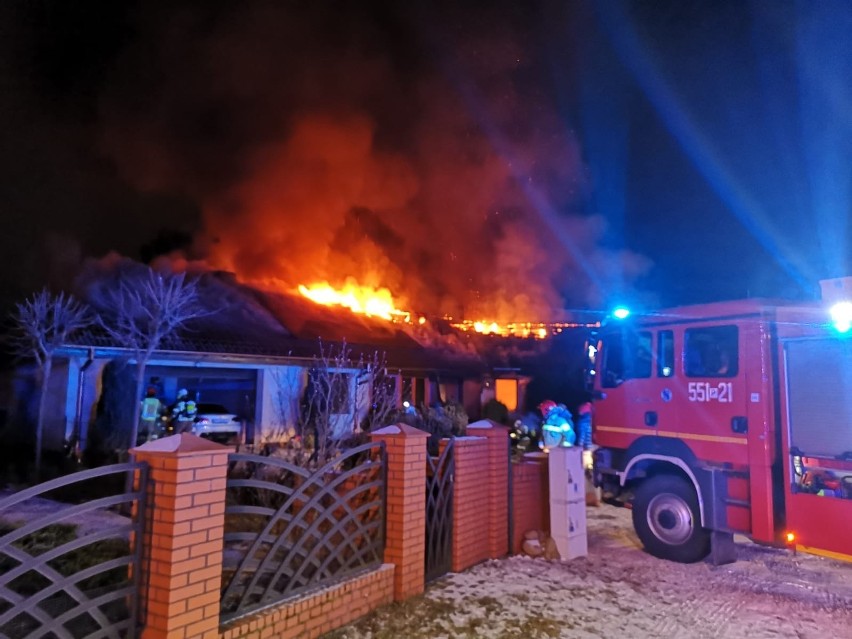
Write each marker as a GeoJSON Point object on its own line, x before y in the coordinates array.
{"type": "Point", "coordinates": [87, 522]}
{"type": "Point", "coordinates": [620, 591]}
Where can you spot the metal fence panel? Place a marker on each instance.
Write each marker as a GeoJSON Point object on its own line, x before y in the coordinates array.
{"type": "Point", "coordinates": [289, 529]}
{"type": "Point", "coordinates": [440, 477]}
{"type": "Point", "coordinates": [56, 581]}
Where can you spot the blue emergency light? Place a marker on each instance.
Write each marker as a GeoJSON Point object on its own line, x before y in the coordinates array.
{"type": "Point", "coordinates": [841, 316]}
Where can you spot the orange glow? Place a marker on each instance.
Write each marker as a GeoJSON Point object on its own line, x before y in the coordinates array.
{"type": "Point", "coordinates": [375, 302]}
{"type": "Point", "coordinates": [536, 330]}
{"type": "Point", "coordinates": [506, 391]}
{"type": "Point", "coordinates": [791, 538]}
{"type": "Point", "coordinates": [379, 302]}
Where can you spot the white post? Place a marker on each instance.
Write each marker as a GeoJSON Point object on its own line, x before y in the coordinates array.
{"type": "Point", "coordinates": [567, 483]}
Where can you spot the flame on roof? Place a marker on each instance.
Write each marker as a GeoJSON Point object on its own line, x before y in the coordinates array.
{"type": "Point", "coordinates": [380, 302]}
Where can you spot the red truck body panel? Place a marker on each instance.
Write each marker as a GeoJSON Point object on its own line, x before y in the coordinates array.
{"type": "Point", "coordinates": [735, 422]}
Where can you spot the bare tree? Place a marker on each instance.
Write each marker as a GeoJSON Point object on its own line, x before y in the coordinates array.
{"type": "Point", "coordinates": [334, 396]}
{"type": "Point", "coordinates": [143, 312]}
{"type": "Point", "coordinates": [330, 398]}
{"type": "Point", "coordinates": [382, 406]}
{"type": "Point", "coordinates": [42, 324]}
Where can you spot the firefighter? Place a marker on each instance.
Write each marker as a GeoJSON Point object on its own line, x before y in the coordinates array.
{"type": "Point", "coordinates": [584, 431]}
{"type": "Point", "coordinates": [584, 425]}
{"type": "Point", "coordinates": [558, 427]}
{"type": "Point", "coordinates": [190, 413]}
{"type": "Point", "coordinates": [152, 411]}
{"type": "Point", "coordinates": [183, 413]}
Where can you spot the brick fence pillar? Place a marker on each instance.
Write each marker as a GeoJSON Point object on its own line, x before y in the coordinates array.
{"type": "Point", "coordinates": [470, 503]}
{"type": "Point", "coordinates": [497, 484]}
{"type": "Point", "coordinates": [530, 498]}
{"type": "Point", "coordinates": [183, 537]}
{"type": "Point", "coordinates": [405, 541]}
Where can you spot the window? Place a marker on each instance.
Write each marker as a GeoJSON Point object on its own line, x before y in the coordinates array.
{"type": "Point", "coordinates": [507, 392]}
{"type": "Point", "coordinates": [665, 354]}
{"type": "Point", "coordinates": [627, 355]}
{"type": "Point", "coordinates": [711, 351]}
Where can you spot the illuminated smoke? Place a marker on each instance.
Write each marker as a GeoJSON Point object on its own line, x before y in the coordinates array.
{"type": "Point", "coordinates": [321, 163]}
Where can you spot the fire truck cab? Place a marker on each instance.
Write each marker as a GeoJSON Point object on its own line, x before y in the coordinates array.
{"type": "Point", "coordinates": [727, 418]}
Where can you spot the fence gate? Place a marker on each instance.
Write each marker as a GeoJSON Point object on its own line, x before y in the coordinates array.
{"type": "Point", "coordinates": [70, 556]}
{"type": "Point", "coordinates": [440, 474]}
{"type": "Point", "coordinates": [291, 529]}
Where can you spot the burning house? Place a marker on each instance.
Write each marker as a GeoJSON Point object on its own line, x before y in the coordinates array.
{"type": "Point", "coordinates": [253, 352]}
{"type": "Point", "coordinates": [313, 180]}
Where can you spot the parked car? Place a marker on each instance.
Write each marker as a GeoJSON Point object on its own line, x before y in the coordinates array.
{"type": "Point", "coordinates": [216, 422]}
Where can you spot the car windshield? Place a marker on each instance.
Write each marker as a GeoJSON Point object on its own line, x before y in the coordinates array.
{"type": "Point", "coordinates": [213, 409]}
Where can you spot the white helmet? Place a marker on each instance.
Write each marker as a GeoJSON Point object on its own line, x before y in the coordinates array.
{"type": "Point", "coordinates": [182, 393]}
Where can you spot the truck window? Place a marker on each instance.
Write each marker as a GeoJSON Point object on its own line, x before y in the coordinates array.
{"type": "Point", "coordinates": [819, 374]}
{"type": "Point", "coordinates": [665, 354]}
{"type": "Point", "coordinates": [627, 355]}
{"type": "Point", "coordinates": [711, 351]}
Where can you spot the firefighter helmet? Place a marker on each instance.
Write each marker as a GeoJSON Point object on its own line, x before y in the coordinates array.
{"type": "Point", "coordinates": [546, 406]}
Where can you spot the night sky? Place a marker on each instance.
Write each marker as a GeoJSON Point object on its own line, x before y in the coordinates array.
{"type": "Point", "coordinates": [495, 157]}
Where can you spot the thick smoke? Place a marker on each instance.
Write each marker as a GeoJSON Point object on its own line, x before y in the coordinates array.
{"type": "Point", "coordinates": [409, 152]}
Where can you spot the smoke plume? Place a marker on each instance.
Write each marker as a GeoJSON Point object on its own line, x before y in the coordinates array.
{"type": "Point", "coordinates": [418, 153]}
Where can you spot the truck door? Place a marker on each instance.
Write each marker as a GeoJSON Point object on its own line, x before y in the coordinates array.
{"type": "Point", "coordinates": [632, 406]}
{"type": "Point", "coordinates": [713, 402]}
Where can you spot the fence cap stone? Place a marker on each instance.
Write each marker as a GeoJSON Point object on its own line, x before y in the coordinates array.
{"type": "Point", "coordinates": [485, 423]}
{"type": "Point", "coordinates": [400, 429]}
{"type": "Point", "coordinates": [182, 443]}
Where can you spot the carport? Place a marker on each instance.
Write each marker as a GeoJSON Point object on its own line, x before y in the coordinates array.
{"type": "Point", "coordinates": [233, 388]}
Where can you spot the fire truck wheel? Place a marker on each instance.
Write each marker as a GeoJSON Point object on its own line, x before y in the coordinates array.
{"type": "Point", "coordinates": [667, 520]}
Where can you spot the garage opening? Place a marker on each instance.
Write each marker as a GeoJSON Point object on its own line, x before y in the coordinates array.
{"type": "Point", "coordinates": [234, 389]}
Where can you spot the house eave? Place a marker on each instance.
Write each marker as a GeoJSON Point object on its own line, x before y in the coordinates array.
{"type": "Point", "coordinates": [203, 359]}
{"type": "Point", "coordinates": [112, 352]}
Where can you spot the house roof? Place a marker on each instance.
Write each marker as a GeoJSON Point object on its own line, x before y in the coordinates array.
{"type": "Point", "coordinates": [249, 322]}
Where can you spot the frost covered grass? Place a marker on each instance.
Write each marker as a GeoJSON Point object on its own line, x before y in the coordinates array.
{"type": "Point", "coordinates": [432, 615]}
{"type": "Point", "coordinates": [619, 590]}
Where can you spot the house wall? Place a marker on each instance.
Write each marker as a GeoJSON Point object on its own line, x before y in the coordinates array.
{"type": "Point", "coordinates": [60, 406]}
{"type": "Point", "coordinates": [471, 390]}
{"type": "Point", "coordinates": [92, 386]}
{"type": "Point", "coordinates": [278, 393]}
{"type": "Point", "coordinates": [280, 389]}
{"type": "Point", "coordinates": [274, 405]}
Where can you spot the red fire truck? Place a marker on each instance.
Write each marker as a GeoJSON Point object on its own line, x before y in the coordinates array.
{"type": "Point", "coordinates": [729, 418]}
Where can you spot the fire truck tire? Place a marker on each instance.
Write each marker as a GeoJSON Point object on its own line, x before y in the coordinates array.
{"type": "Point", "coordinates": [667, 519]}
